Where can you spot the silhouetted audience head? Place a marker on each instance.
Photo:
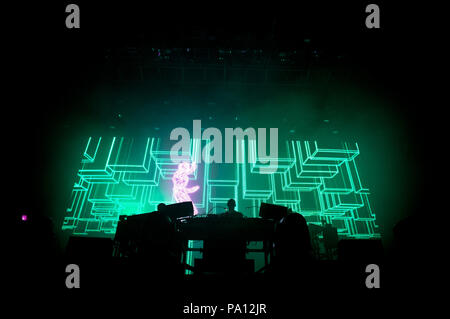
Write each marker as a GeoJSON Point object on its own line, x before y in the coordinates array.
{"type": "Point", "coordinates": [161, 207]}
{"type": "Point", "coordinates": [292, 238]}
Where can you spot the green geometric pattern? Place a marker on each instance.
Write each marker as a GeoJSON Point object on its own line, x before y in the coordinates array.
{"type": "Point", "coordinates": [122, 176]}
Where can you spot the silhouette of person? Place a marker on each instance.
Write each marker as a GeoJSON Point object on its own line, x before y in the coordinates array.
{"type": "Point", "coordinates": [226, 254]}
{"type": "Point", "coordinates": [161, 207]}
{"type": "Point", "coordinates": [330, 238]}
{"type": "Point", "coordinates": [231, 204]}
{"type": "Point", "coordinates": [292, 244]}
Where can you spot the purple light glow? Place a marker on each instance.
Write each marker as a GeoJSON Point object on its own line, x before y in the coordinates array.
{"type": "Point", "coordinates": [180, 180]}
{"type": "Point", "coordinates": [24, 218]}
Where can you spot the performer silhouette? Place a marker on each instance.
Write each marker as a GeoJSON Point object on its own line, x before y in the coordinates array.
{"type": "Point", "coordinates": [231, 204]}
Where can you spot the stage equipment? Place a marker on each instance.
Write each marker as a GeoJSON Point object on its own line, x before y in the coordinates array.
{"type": "Point", "coordinates": [224, 241]}
{"type": "Point", "coordinates": [270, 211]}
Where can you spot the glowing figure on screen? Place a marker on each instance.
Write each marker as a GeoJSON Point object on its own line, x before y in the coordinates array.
{"type": "Point", "coordinates": [180, 180]}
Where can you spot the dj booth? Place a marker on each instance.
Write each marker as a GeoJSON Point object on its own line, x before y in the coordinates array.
{"type": "Point", "coordinates": [224, 237]}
